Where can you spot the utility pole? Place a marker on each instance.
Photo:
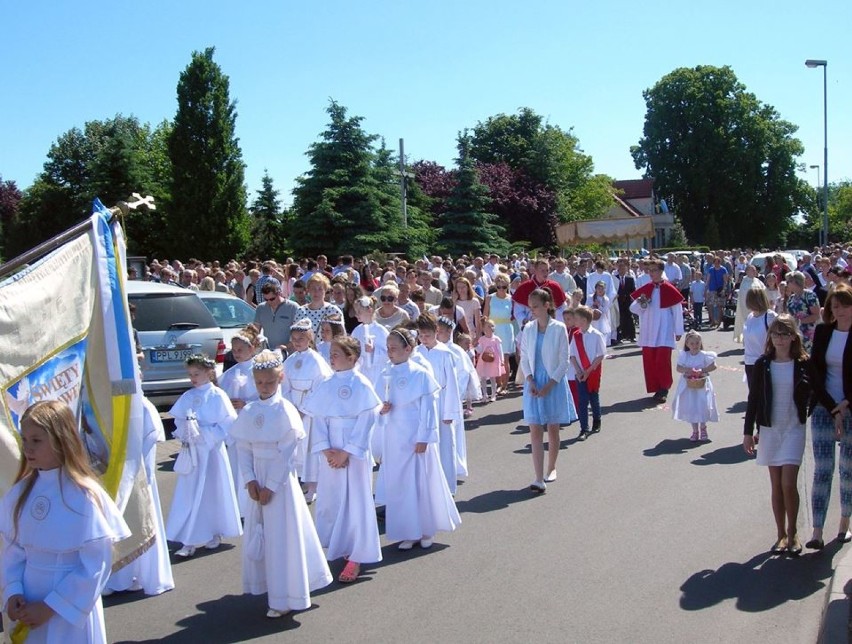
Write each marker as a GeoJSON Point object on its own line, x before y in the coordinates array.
{"type": "Point", "coordinates": [403, 183]}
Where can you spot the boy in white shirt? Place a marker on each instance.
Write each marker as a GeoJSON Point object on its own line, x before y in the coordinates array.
{"type": "Point", "coordinates": [696, 297]}
{"type": "Point", "coordinates": [588, 351]}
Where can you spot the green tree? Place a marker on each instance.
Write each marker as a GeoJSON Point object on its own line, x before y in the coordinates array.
{"type": "Point", "coordinates": [267, 231]}
{"type": "Point", "coordinates": [726, 160]}
{"type": "Point", "coordinates": [549, 156]}
{"type": "Point", "coordinates": [467, 226]}
{"type": "Point", "coordinates": [10, 199]}
{"type": "Point", "coordinates": [208, 218]}
{"type": "Point", "coordinates": [109, 159]}
{"type": "Point", "coordinates": [338, 205]}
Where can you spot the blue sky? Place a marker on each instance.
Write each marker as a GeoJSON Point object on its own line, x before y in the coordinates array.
{"type": "Point", "coordinates": [421, 71]}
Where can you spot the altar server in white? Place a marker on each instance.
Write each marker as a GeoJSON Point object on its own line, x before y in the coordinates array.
{"type": "Point", "coordinates": [58, 527]}
{"type": "Point", "coordinates": [282, 555]}
{"type": "Point", "coordinates": [304, 369]}
{"type": "Point", "coordinates": [344, 409]}
{"type": "Point", "coordinates": [204, 507]}
{"type": "Point", "coordinates": [417, 499]}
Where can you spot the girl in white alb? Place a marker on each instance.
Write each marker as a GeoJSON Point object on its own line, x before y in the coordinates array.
{"type": "Point", "coordinates": [58, 527]}
{"type": "Point", "coordinates": [204, 507]}
{"type": "Point", "coordinates": [696, 406]}
{"type": "Point", "coordinates": [152, 570]}
{"type": "Point", "coordinates": [304, 369]}
{"type": "Point", "coordinates": [238, 383]}
{"type": "Point", "coordinates": [417, 499]}
{"type": "Point", "coordinates": [344, 409]}
{"type": "Point", "coordinates": [372, 337]}
{"type": "Point", "coordinates": [282, 555]}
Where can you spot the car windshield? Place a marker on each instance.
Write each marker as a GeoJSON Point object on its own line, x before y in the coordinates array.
{"type": "Point", "coordinates": [229, 313]}
{"type": "Point", "coordinates": [160, 311]}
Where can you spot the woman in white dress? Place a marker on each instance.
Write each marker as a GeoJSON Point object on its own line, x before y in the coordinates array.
{"type": "Point", "coordinates": [204, 507]}
{"type": "Point", "coordinates": [417, 499]}
{"type": "Point", "coordinates": [58, 527]}
{"type": "Point", "coordinates": [282, 555]}
{"type": "Point", "coordinates": [749, 281]}
{"type": "Point", "coordinates": [344, 409]}
{"type": "Point", "coordinates": [304, 369]}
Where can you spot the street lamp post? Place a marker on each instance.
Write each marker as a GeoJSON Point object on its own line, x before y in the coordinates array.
{"type": "Point", "coordinates": [818, 184]}
{"type": "Point", "coordinates": [824, 64]}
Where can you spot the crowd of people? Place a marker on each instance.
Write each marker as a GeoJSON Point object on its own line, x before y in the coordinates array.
{"type": "Point", "coordinates": [366, 366]}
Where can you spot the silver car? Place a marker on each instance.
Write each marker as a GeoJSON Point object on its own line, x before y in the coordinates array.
{"type": "Point", "coordinates": [231, 314]}
{"type": "Point", "coordinates": [172, 324]}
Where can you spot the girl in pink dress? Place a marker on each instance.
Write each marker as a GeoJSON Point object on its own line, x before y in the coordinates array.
{"type": "Point", "coordinates": [489, 365]}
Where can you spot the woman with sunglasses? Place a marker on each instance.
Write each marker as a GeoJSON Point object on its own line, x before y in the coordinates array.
{"type": "Point", "coordinates": [830, 420]}
{"type": "Point", "coordinates": [389, 314]}
{"type": "Point", "coordinates": [498, 308]}
{"type": "Point", "coordinates": [778, 404]}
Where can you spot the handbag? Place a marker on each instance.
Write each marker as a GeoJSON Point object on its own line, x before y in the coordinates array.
{"type": "Point", "coordinates": [185, 463]}
{"type": "Point", "coordinates": [488, 355]}
{"type": "Point", "coordinates": [255, 544]}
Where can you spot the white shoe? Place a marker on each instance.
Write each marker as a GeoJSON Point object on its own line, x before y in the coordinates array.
{"type": "Point", "coordinates": [106, 592]}
{"type": "Point", "coordinates": [186, 552]}
{"type": "Point", "coordinates": [493, 398]}
{"type": "Point", "coordinates": [214, 543]}
{"type": "Point", "coordinates": [405, 545]}
{"type": "Point", "coordinates": [550, 478]}
{"type": "Point", "coordinates": [310, 496]}
{"type": "Point", "coordinates": [275, 614]}
{"type": "Point", "coordinates": [426, 543]}
{"type": "Point", "coordinates": [539, 487]}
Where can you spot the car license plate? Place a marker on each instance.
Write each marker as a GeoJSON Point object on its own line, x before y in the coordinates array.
{"type": "Point", "coordinates": [170, 355]}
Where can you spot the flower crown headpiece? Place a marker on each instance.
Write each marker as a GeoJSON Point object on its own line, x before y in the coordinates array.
{"type": "Point", "coordinates": [202, 360]}
{"type": "Point", "coordinates": [447, 322]}
{"type": "Point", "coordinates": [275, 363]}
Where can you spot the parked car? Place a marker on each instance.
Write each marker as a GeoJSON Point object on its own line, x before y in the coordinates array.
{"type": "Point", "coordinates": [759, 260]}
{"type": "Point", "coordinates": [172, 324]}
{"type": "Point", "coordinates": [231, 314]}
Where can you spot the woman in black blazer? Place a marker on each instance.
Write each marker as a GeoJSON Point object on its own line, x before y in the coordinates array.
{"type": "Point", "coordinates": [831, 421]}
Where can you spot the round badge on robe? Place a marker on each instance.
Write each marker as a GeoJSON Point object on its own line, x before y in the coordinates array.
{"type": "Point", "coordinates": [401, 382]}
{"type": "Point", "coordinates": [259, 420]}
{"type": "Point", "coordinates": [298, 364]}
{"type": "Point", "coordinates": [196, 402]}
{"type": "Point", "coordinates": [40, 508]}
{"type": "Point", "coordinates": [345, 392]}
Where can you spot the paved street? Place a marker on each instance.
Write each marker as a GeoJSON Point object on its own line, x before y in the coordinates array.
{"type": "Point", "coordinates": [645, 537]}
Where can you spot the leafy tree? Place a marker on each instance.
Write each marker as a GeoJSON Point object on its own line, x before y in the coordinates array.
{"type": "Point", "coordinates": [208, 195]}
{"type": "Point", "coordinates": [549, 158]}
{"type": "Point", "coordinates": [727, 160]}
{"type": "Point", "coordinates": [267, 231]}
{"type": "Point", "coordinates": [109, 159]}
{"type": "Point", "coordinates": [338, 205]}
{"type": "Point", "coordinates": [468, 226]}
{"type": "Point", "coordinates": [10, 199]}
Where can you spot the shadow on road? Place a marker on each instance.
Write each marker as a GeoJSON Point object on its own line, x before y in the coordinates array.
{"type": "Point", "coordinates": [761, 583]}
{"type": "Point", "coordinates": [729, 353]}
{"type": "Point", "coordinates": [494, 500]}
{"type": "Point", "coordinates": [232, 618]}
{"type": "Point", "coordinates": [628, 406]}
{"type": "Point", "coordinates": [507, 418]}
{"type": "Point", "coordinates": [671, 446]}
{"type": "Point", "coordinates": [738, 407]}
{"type": "Point", "coordinates": [730, 455]}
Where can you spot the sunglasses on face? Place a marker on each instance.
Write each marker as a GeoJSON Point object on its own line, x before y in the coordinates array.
{"type": "Point", "coordinates": [270, 299]}
{"type": "Point", "coordinates": [781, 335]}
{"type": "Point", "coordinates": [387, 298]}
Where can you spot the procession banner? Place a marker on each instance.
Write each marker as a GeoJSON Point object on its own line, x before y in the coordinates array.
{"type": "Point", "coordinates": [65, 335]}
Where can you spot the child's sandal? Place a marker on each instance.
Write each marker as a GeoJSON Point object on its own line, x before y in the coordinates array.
{"type": "Point", "coordinates": [350, 573]}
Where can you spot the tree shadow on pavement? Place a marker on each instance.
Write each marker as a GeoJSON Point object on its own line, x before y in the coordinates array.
{"type": "Point", "coordinates": [671, 446]}
{"type": "Point", "coordinates": [730, 455]}
{"type": "Point", "coordinates": [507, 418]}
{"type": "Point", "coordinates": [761, 583]}
{"type": "Point", "coordinates": [232, 618]}
{"type": "Point", "coordinates": [495, 500]}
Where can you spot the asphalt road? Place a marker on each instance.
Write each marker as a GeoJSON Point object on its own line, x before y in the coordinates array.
{"type": "Point", "coordinates": [645, 537]}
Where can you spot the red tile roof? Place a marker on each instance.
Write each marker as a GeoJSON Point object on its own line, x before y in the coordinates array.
{"type": "Point", "coordinates": [635, 188]}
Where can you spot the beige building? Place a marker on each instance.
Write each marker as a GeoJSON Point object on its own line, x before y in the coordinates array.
{"type": "Point", "coordinates": [637, 199]}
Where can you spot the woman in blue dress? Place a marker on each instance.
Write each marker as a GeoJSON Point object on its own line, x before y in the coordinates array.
{"type": "Point", "coordinates": [498, 307]}
{"type": "Point", "coordinates": [547, 398]}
